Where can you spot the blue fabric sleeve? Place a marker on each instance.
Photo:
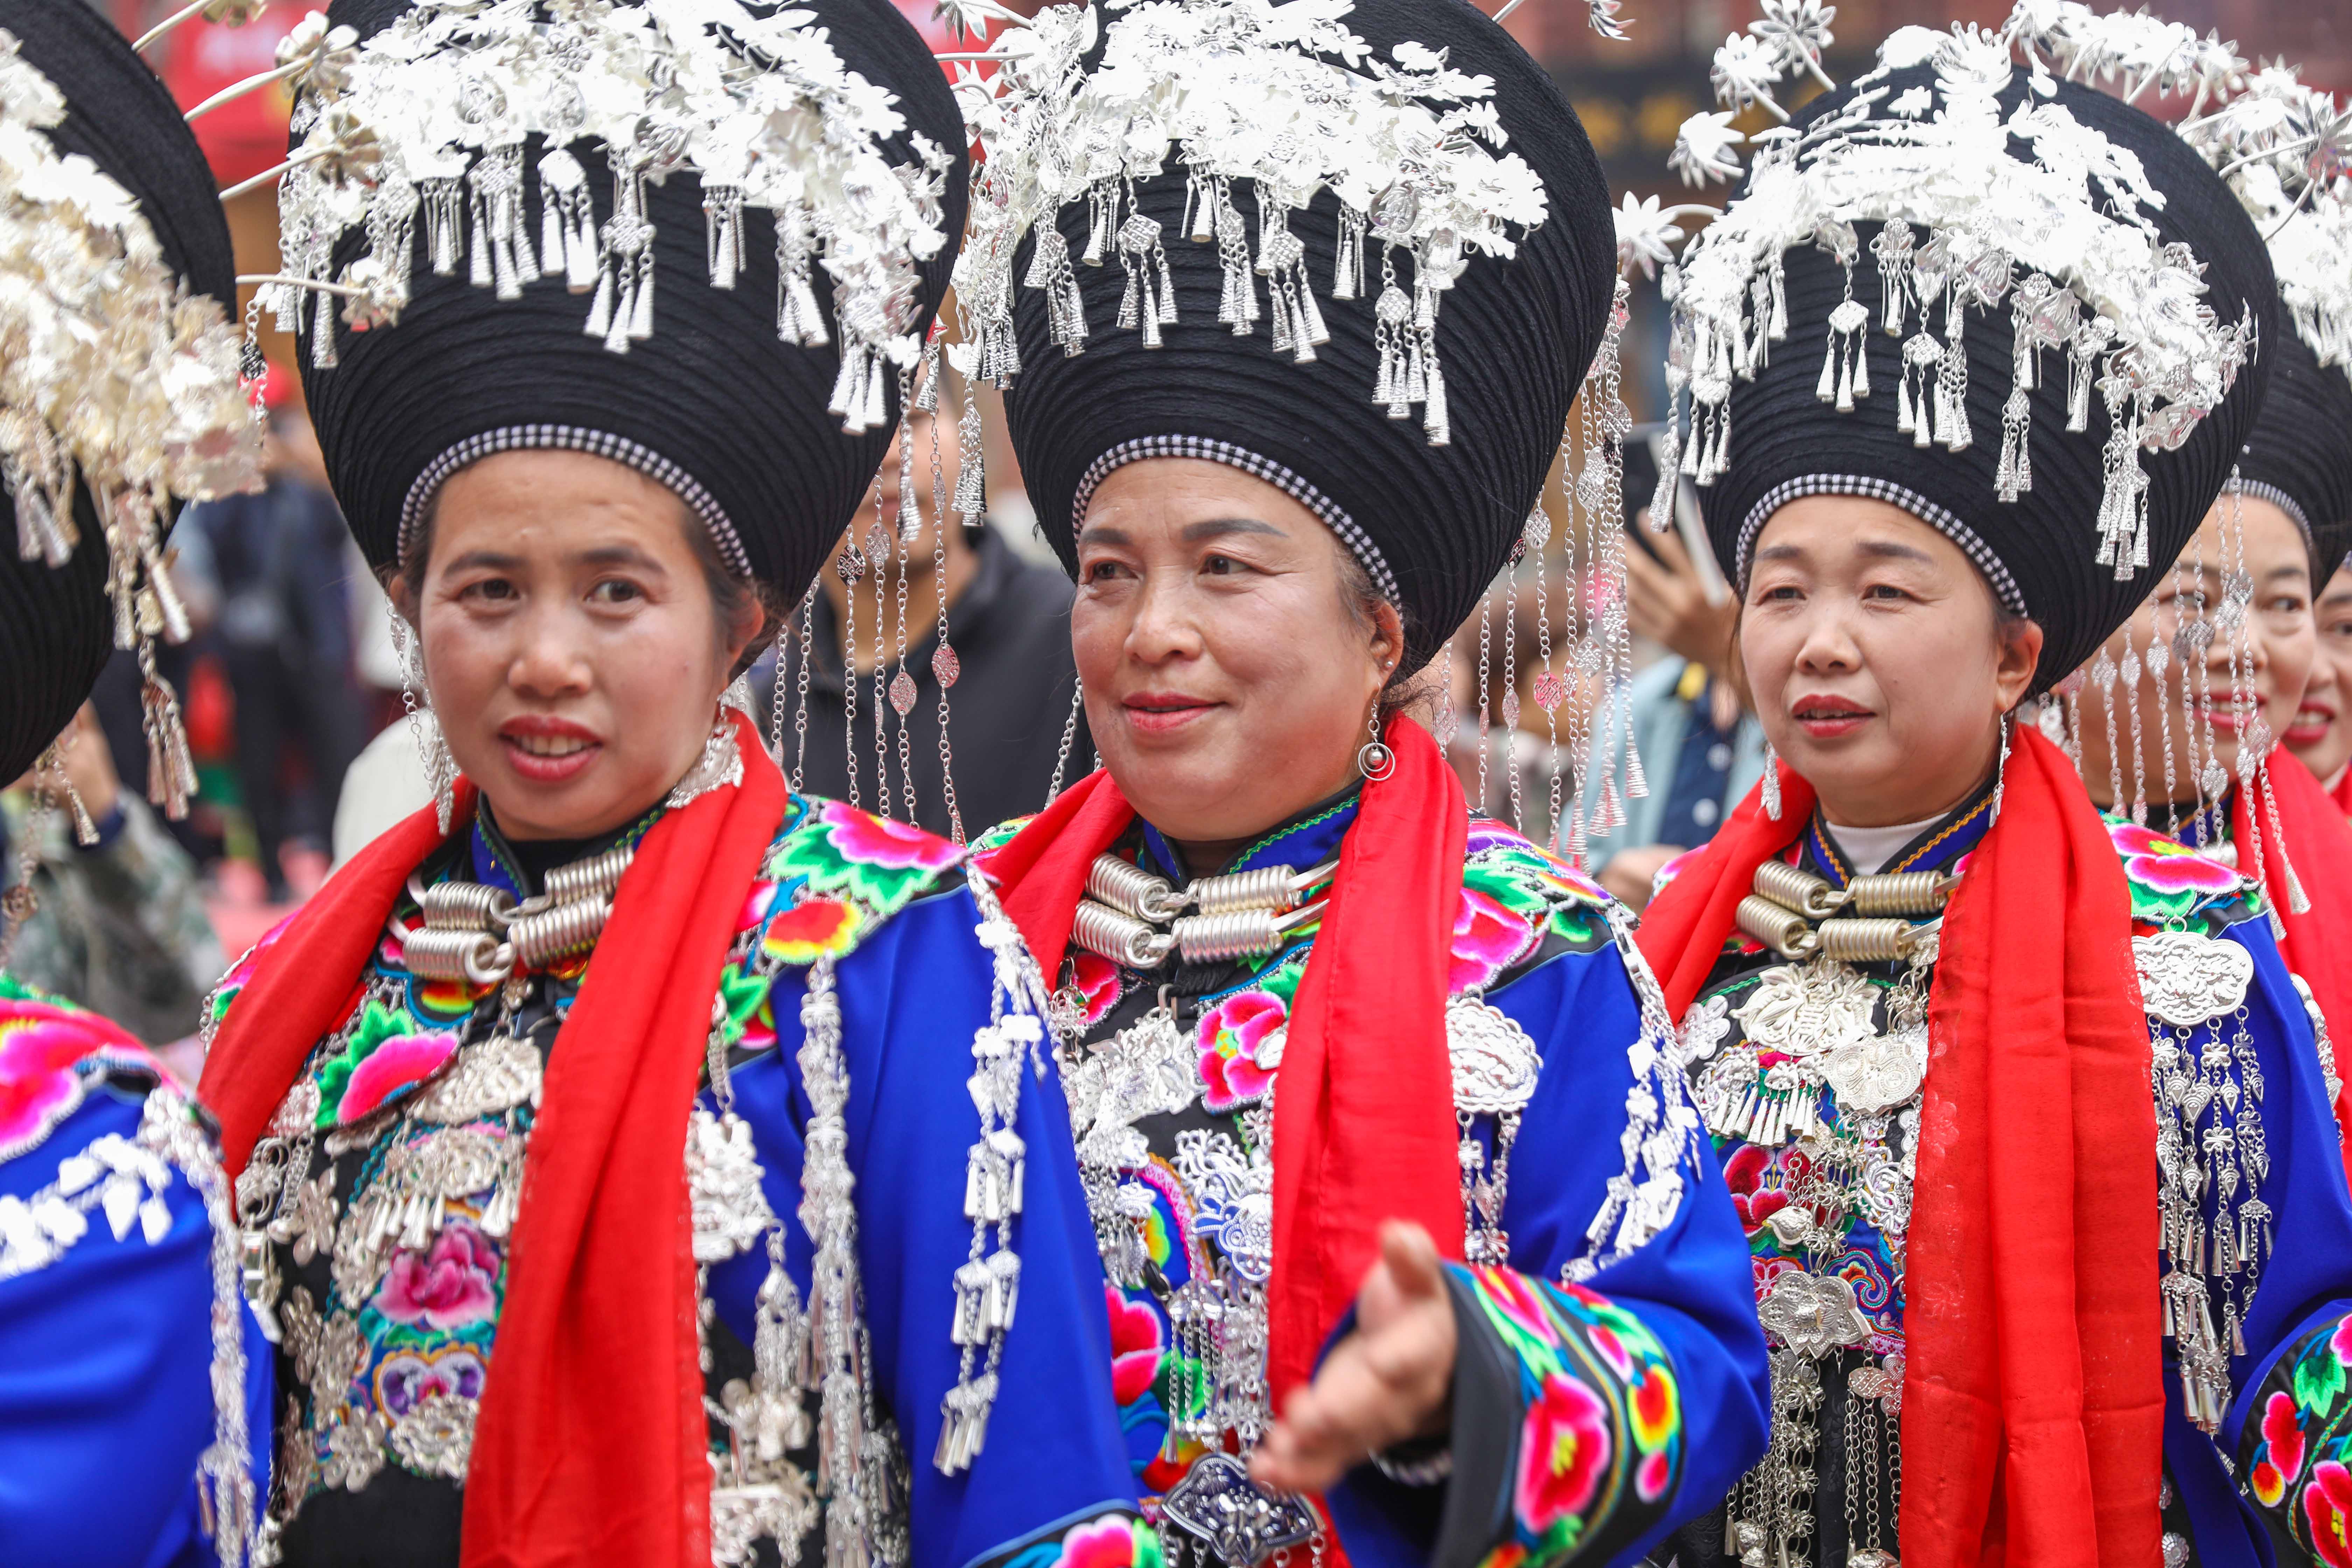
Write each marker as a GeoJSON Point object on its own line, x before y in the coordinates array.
{"type": "Point", "coordinates": [911, 996]}
{"type": "Point", "coordinates": [105, 1374]}
{"type": "Point", "coordinates": [2289, 1427]}
{"type": "Point", "coordinates": [1690, 1288]}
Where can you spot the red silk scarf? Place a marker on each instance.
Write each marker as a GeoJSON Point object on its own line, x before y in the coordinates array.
{"type": "Point", "coordinates": [2033, 1400]}
{"type": "Point", "coordinates": [2310, 830]}
{"type": "Point", "coordinates": [1363, 1119]}
{"type": "Point", "coordinates": [591, 1442]}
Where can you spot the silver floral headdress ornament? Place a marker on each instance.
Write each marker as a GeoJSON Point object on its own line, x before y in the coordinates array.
{"type": "Point", "coordinates": [1285, 99]}
{"type": "Point", "coordinates": [115, 377]}
{"type": "Point", "coordinates": [433, 116]}
{"type": "Point", "coordinates": [2283, 149]}
{"type": "Point", "coordinates": [2086, 278]}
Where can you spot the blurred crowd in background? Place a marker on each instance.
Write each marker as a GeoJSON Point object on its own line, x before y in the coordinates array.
{"type": "Point", "coordinates": [292, 683]}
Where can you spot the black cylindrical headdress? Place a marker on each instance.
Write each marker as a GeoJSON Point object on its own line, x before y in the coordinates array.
{"type": "Point", "coordinates": [2272, 139]}
{"type": "Point", "coordinates": [1210, 318]}
{"type": "Point", "coordinates": [720, 286]}
{"type": "Point", "coordinates": [2017, 309]}
{"type": "Point", "coordinates": [2299, 454]}
{"type": "Point", "coordinates": [131, 303]}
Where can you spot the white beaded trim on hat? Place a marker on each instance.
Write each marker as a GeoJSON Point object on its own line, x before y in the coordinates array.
{"type": "Point", "coordinates": [1256, 466]}
{"type": "Point", "coordinates": [1941, 520]}
{"type": "Point", "coordinates": [570, 438]}
{"type": "Point", "coordinates": [2279, 498]}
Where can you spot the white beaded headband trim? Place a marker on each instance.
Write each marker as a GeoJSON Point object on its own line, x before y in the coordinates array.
{"type": "Point", "coordinates": [2279, 498]}
{"type": "Point", "coordinates": [570, 438]}
{"type": "Point", "coordinates": [1333, 514]}
{"type": "Point", "coordinates": [2004, 586]}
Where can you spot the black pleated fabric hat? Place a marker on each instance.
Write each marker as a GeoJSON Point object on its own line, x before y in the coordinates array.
{"type": "Point", "coordinates": [2037, 551]}
{"type": "Point", "coordinates": [56, 625]}
{"type": "Point", "coordinates": [714, 403]}
{"type": "Point", "coordinates": [2299, 454]}
{"type": "Point", "coordinates": [1515, 337]}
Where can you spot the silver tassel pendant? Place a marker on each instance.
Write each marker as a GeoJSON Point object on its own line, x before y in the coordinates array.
{"type": "Point", "coordinates": [799, 318]}
{"type": "Point", "coordinates": [2014, 475]}
{"type": "Point", "coordinates": [1892, 251]}
{"type": "Point", "coordinates": [1065, 309]}
{"type": "Point", "coordinates": [722, 238]}
{"type": "Point", "coordinates": [1237, 303]}
{"type": "Point", "coordinates": [445, 207]}
{"type": "Point", "coordinates": [971, 487]}
{"type": "Point", "coordinates": [1952, 377]}
{"type": "Point", "coordinates": [1348, 265]}
{"type": "Point", "coordinates": [1845, 371]}
{"type": "Point", "coordinates": [1149, 299]}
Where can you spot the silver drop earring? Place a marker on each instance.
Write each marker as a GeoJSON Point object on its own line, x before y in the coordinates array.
{"type": "Point", "coordinates": [2000, 768]}
{"type": "Point", "coordinates": [424, 725]}
{"type": "Point", "coordinates": [1373, 758]}
{"type": "Point", "coordinates": [1771, 781]}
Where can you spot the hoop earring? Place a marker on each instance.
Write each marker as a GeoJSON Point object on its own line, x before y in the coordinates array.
{"type": "Point", "coordinates": [1374, 760]}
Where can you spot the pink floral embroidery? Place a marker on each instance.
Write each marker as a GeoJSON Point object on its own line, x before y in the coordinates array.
{"type": "Point", "coordinates": [1652, 1476]}
{"type": "Point", "coordinates": [1564, 1448]}
{"type": "Point", "coordinates": [1612, 1350]}
{"type": "Point", "coordinates": [1231, 1035]}
{"type": "Point", "coordinates": [39, 1044]}
{"type": "Point", "coordinates": [1516, 1297]}
{"type": "Point", "coordinates": [453, 1285]}
{"type": "Point", "coordinates": [2165, 865]}
{"type": "Point", "coordinates": [1097, 982]}
{"type": "Point", "coordinates": [755, 904]}
{"type": "Point", "coordinates": [1135, 1346]}
{"type": "Point", "coordinates": [1488, 938]}
{"type": "Point", "coordinates": [1100, 1543]}
{"type": "Point", "coordinates": [878, 841]}
{"type": "Point", "coordinates": [398, 1063]}
{"type": "Point", "coordinates": [2328, 1509]}
{"type": "Point", "coordinates": [1745, 1174]}
{"type": "Point", "coordinates": [2340, 1341]}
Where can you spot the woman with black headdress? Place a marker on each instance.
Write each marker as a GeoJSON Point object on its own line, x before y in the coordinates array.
{"type": "Point", "coordinates": [2024, 1118]}
{"type": "Point", "coordinates": [642, 1164]}
{"type": "Point", "coordinates": [130, 1377]}
{"type": "Point", "coordinates": [2184, 721]}
{"type": "Point", "coordinates": [1285, 436]}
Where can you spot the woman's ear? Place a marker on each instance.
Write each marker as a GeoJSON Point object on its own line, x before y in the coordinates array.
{"type": "Point", "coordinates": [1388, 638]}
{"type": "Point", "coordinates": [2020, 653]}
{"type": "Point", "coordinates": [402, 592]}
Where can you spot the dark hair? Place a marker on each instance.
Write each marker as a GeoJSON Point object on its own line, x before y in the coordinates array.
{"type": "Point", "coordinates": [730, 596]}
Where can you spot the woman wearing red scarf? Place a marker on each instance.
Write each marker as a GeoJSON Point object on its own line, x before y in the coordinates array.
{"type": "Point", "coordinates": [2226, 649]}
{"type": "Point", "coordinates": [2049, 1228]}
{"type": "Point", "coordinates": [642, 1163]}
{"type": "Point", "coordinates": [2321, 735]}
{"type": "Point", "coordinates": [1302, 989]}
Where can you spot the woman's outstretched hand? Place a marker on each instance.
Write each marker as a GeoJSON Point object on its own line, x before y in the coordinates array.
{"type": "Point", "coordinates": [1386, 1383]}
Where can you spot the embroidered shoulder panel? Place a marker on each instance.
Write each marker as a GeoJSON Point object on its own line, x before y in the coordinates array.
{"type": "Point", "coordinates": [2172, 884]}
{"type": "Point", "coordinates": [1514, 888]}
{"type": "Point", "coordinates": [870, 868]}
{"type": "Point", "coordinates": [50, 1053]}
{"type": "Point", "coordinates": [832, 877]}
